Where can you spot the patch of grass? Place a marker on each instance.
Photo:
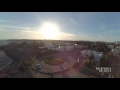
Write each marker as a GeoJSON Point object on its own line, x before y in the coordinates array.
{"type": "Point", "coordinates": [54, 61]}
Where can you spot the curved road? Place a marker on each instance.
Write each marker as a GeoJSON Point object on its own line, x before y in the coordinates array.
{"type": "Point", "coordinates": [70, 60]}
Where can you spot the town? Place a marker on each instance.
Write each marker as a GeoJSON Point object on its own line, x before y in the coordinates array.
{"type": "Point", "coordinates": [25, 58]}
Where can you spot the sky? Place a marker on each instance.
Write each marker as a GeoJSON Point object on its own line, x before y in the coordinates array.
{"type": "Point", "coordinates": [92, 26]}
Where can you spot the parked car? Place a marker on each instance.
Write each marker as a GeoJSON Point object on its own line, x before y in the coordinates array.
{"type": "Point", "coordinates": [38, 66]}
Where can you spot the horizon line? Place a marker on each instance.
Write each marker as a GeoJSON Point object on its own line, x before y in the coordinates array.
{"type": "Point", "coordinates": [61, 39]}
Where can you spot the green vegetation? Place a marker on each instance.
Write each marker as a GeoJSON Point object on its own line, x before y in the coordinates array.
{"type": "Point", "coordinates": [91, 58]}
{"type": "Point", "coordinates": [44, 52]}
{"type": "Point", "coordinates": [105, 61]}
{"type": "Point", "coordinates": [54, 61]}
{"type": "Point", "coordinates": [25, 66]}
{"type": "Point", "coordinates": [91, 64]}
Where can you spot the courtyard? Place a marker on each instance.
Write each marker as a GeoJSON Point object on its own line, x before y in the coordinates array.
{"type": "Point", "coordinates": [64, 70]}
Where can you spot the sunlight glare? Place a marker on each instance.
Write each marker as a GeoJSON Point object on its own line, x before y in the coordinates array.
{"type": "Point", "coordinates": [50, 30]}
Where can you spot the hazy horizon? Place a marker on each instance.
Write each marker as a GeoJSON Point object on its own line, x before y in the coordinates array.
{"type": "Point", "coordinates": [81, 26]}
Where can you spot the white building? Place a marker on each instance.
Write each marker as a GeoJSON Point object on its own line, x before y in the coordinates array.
{"type": "Point", "coordinates": [29, 42]}
{"type": "Point", "coordinates": [95, 43]}
{"type": "Point", "coordinates": [15, 41]}
{"type": "Point", "coordinates": [60, 48]}
{"type": "Point", "coordinates": [66, 47]}
{"type": "Point", "coordinates": [116, 51]}
{"type": "Point", "coordinates": [38, 42]}
{"type": "Point", "coordinates": [69, 47]}
{"type": "Point", "coordinates": [111, 46]}
{"type": "Point", "coordinates": [97, 55]}
{"type": "Point", "coordinates": [48, 45]}
{"type": "Point", "coordinates": [67, 44]}
{"type": "Point", "coordinates": [79, 46]}
{"type": "Point", "coordinates": [75, 45]}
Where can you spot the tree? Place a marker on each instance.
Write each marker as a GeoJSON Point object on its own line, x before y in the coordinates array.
{"type": "Point", "coordinates": [102, 61]}
{"type": "Point", "coordinates": [105, 61]}
{"type": "Point", "coordinates": [26, 64]}
{"type": "Point", "coordinates": [91, 57]}
{"type": "Point", "coordinates": [92, 64]}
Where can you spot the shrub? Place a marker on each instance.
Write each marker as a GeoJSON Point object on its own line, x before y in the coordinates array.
{"type": "Point", "coordinates": [54, 61]}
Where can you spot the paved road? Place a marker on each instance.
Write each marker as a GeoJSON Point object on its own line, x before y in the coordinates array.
{"type": "Point", "coordinates": [70, 60]}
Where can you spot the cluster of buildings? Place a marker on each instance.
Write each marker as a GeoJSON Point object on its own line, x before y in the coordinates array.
{"type": "Point", "coordinates": [97, 55]}
{"type": "Point", "coordinates": [60, 47]}
{"type": "Point", "coordinates": [66, 46]}
{"type": "Point", "coordinates": [70, 46]}
{"type": "Point", "coordinates": [115, 49]}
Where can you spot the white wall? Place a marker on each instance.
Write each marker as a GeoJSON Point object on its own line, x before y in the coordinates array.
{"type": "Point", "coordinates": [69, 48]}
{"type": "Point", "coordinates": [67, 43]}
{"type": "Point", "coordinates": [116, 50]}
{"type": "Point", "coordinates": [97, 55]}
{"type": "Point", "coordinates": [111, 46]}
{"type": "Point", "coordinates": [79, 46]}
{"type": "Point", "coordinates": [48, 45]}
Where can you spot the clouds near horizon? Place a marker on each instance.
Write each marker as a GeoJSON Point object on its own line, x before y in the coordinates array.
{"type": "Point", "coordinates": [103, 26]}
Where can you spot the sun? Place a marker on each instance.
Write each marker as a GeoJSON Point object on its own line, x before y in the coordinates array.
{"type": "Point", "coordinates": [50, 30]}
